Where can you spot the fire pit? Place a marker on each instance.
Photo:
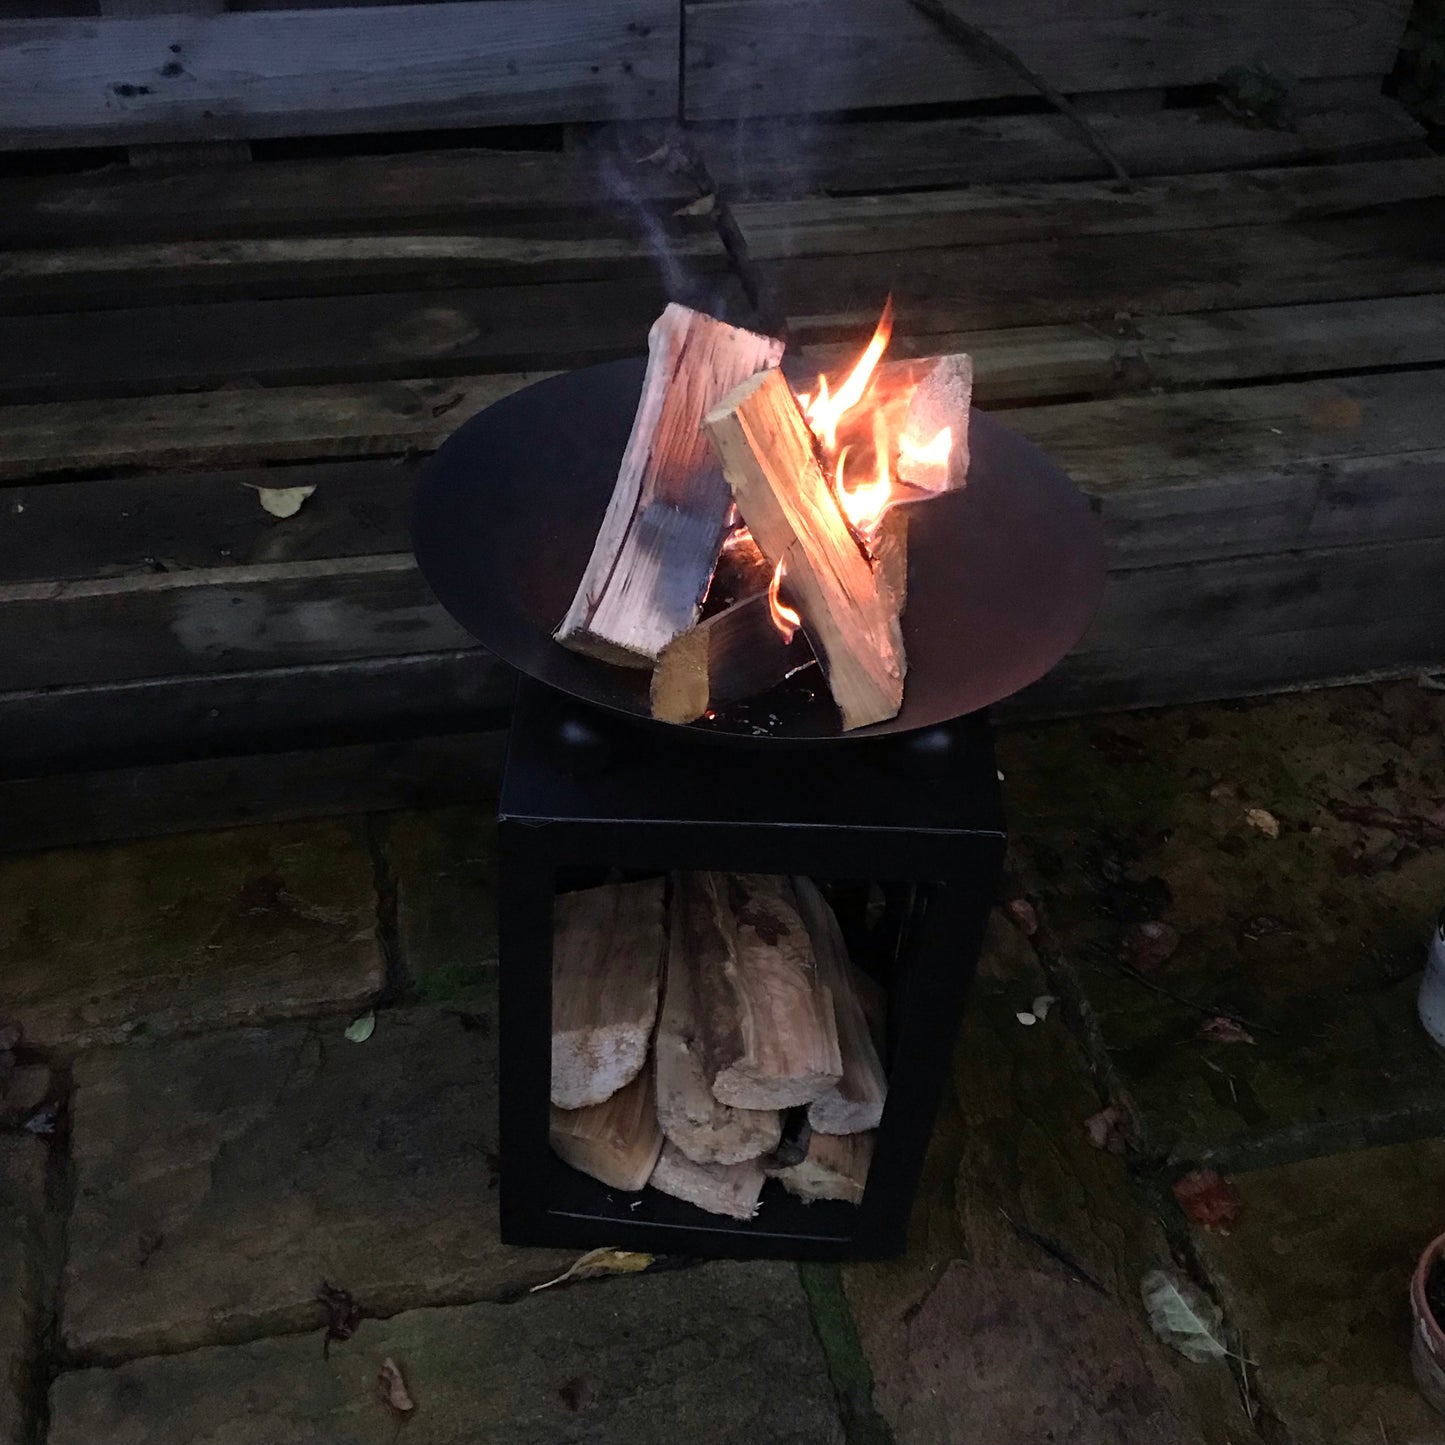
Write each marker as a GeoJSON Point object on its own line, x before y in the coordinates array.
{"type": "Point", "coordinates": [874, 855]}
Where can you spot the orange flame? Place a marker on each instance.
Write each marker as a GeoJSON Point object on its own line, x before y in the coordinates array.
{"type": "Point", "coordinates": [861, 412]}
{"type": "Point", "coordinates": [784, 618]}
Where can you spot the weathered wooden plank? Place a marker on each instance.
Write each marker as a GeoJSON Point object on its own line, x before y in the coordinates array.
{"type": "Point", "coordinates": [142, 525]}
{"type": "Point", "coordinates": [982, 215]}
{"type": "Point", "coordinates": [1398, 251]}
{"type": "Point", "coordinates": [310, 265]}
{"type": "Point", "coordinates": [180, 797]}
{"type": "Point", "coordinates": [246, 424]}
{"type": "Point", "coordinates": [339, 195]}
{"type": "Point", "coordinates": [210, 714]}
{"type": "Point", "coordinates": [218, 619]}
{"type": "Point", "coordinates": [333, 338]}
{"type": "Point", "coordinates": [1118, 448]}
{"type": "Point", "coordinates": [1253, 625]}
{"type": "Point", "coordinates": [776, 157]}
{"type": "Point", "coordinates": [73, 82]}
{"type": "Point", "coordinates": [755, 57]}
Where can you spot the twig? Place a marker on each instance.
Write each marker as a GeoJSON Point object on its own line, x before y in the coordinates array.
{"type": "Point", "coordinates": [1211, 1010]}
{"type": "Point", "coordinates": [1054, 1252]}
{"type": "Point", "coordinates": [956, 27]}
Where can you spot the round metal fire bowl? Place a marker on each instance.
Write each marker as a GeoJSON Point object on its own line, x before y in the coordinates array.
{"type": "Point", "coordinates": [1004, 575]}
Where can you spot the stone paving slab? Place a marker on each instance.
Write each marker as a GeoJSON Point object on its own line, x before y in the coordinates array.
{"type": "Point", "coordinates": [24, 1274]}
{"type": "Point", "coordinates": [1316, 1275]}
{"type": "Point", "coordinates": [220, 1180]}
{"type": "Point", "coordinates": [719, 1355]}
{"type": "Point", "coordinates": [978, 1335]}
{"type": "Point", "coordinates": [1315, 937]}
{"type": "Point", "coordinates": [180, 934]}
{"type": "Point", "coordinates": [444, 862]}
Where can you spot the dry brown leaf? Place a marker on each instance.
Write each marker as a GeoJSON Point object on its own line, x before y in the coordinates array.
{"type": "Point", "coordinates": [1208, 1199]}
{"type": "Point", "coordinates": [1025, 919]}
{"type": "Point", "coordinates": [1264, 820]}
{"type": "Point", "coordinates": [392, 1388]}
{"type": "Point", "coordinates": [1224, 1030]}
{"type": "Point", "coordinates": [1147, 945]}
{"type": "Point", "coordinates": [1337, 413]}
{"type": "Point", "coordinates": [597, 1263]}
{"type": "Point", "coordinates": [1110, 1129]}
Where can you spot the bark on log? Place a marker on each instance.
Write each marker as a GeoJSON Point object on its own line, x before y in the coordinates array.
{"type": "Point", "coordinates": [836, 1167]}
{"type": "Point", "coordinates": [607, 952]}
{"type": "Point", "coordinates": [730, 1189]}
{"type": "Point", "coordinates": [855, 1103]}
{"type": "Point", "coordinates": [617, 1141]}
{"type": "Point", "coordinates": [735, 654]}
{"type": "Point", "coordinates": [768, 457]}
{"type": "Point", "coordinates": [770, 1038]}
{"type": "Point", "coordinates": [692, 1117]}
{"type": "Point", "coordinates": [658, 542]}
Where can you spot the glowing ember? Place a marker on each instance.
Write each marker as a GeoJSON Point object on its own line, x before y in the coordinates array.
{"type": "Point", "coordinates": [784, 618]}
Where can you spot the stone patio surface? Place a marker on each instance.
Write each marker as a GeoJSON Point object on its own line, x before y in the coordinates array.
{"type": "Point", "coordinates": [1215, 916]}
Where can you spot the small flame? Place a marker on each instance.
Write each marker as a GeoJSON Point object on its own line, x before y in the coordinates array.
{"type": "Point", "coordinates": [825, 410]}
{"type": "Point", "coordinates": [784, 618]}
{"type": "Point", "coordinates": [927, 454]}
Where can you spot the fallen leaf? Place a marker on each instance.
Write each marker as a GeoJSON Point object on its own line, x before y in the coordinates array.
{"type": "Point", "coordinates": [1110, 1130]}
{"type": "Point", "coordinates": [1021, 911]}
{"type": "Point", "coordinates": [1183, 1316]}
{"type": "Point", "coordinates": [1027, 1019]}
{"type": "Point", "coordinates": [1147, 945]}
{"type": "Point", "coordinates": [1224, 792]}
{"type": "Point", "coordinates": [42, 1123]}
{"type": "Point", "coordinates": [392, 1388]}
{"type": "Point", "coordinates": [1224, 1030]}
{"type": "Point", "coordinates": [703, 206]}
{"type": "Point", "coordinates": [1208, 1199]}
{"type": "Point", "coordinates": [1264, 820]}
{"type": "Point", "coordinates": [361, 1029]}
{"type": "Point", "coordinates": [597, 1263]}
{"type": "Point", "coordinates": [579, 1393]}
{"type": "Point", "coordinates": [1042, 1004]}
{"type": "Point", "coordinates": [283, 501]}
{"type": "Point", "coordinates": [342, 1315]}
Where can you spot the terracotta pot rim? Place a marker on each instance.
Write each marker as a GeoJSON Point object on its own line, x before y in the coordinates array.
{"type": "Point", "coordinates": [1420, 1305]}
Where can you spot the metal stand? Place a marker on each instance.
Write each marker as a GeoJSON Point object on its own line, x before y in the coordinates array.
{"type": "Point", "coordinates": [584, 790]}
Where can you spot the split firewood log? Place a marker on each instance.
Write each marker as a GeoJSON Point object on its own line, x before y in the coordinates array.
{"type": "Point", "coordinates": [730, 1189]}
{"type": "Point", "coordinates": [770, 1038]}
{"type": "Point", "coordinates": [659, 539]}
{"type": "Point", "coordinates": [692, 1117]}
{"type": "Point", "coordinates": [607, 952]}
{"type": "Point", "coordinates": [616, 1141]}
{"type": "Point", "coordinates": [848, 611]}
{"type": "Point", "coordinates": [835, 1167]}
{"type": "Point", "coordinates": [855, 1102]}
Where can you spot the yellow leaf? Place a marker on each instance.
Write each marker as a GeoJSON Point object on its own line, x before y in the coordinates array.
{"type": "Point", "coordinates": [283, 501]}
{"type": "Point", "coordinates": [598, 1262]}
{"type": "Point", "coordinates": [1264, 820]}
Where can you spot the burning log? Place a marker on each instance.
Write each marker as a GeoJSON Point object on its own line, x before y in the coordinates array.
{"type": "Point", "coordinates": [617, 1141]}
{"type": "Point", "coordinates": [836, 1167]}
{"type": "Point", "coordinates": [770, 1039]}
{"type": "Point", "coordinates": [855, 1103]}
{"type": "Point", "coordinates": [658, 542]}
{"type": "Point", "coordinates": [607, 952]}
{"type": "Point", "coordinates": [730, 1189]}
{"type": "Point", "coordinates": [706, 1130]}
{"type": "Point", "coordinates": [938, 409]}
{"type": "Point", "coordinates": [735, 654]}
{"type": "Point", "coordinates": [769, 460]}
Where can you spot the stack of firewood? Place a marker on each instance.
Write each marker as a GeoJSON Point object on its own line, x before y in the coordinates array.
{"type": "Point", "coordinates": [709, 1034]}
{"type": "Point", "coordinates": [722, 464]}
